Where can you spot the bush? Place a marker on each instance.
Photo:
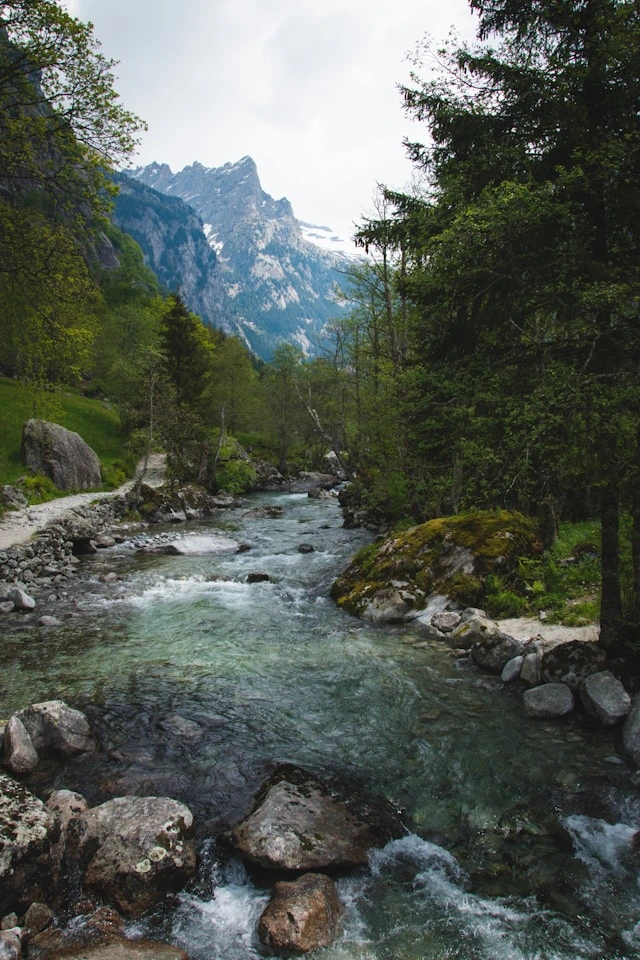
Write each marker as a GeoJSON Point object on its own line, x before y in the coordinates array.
{"type": "Point", "coordinates": [234, 476]}
{"type": "Point", "coordinates": [38, 488]}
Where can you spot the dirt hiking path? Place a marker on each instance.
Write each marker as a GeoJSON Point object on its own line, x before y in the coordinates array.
{"type": "Point", "coordinates": [18, 526]}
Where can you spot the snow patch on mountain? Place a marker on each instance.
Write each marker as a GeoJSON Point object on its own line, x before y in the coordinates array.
{"type": "Point", "coordinates": [327, 239]}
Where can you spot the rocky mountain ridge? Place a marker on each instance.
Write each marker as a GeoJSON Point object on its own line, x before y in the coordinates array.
{"type": "Point", "coordinates": [274, 284]}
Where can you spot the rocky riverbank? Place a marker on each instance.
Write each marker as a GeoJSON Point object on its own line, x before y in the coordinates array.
{"type": "Point", "coordinates": [70, 874]}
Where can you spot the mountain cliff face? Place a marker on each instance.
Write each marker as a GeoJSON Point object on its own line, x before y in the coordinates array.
{"type": "Point", "coordinates": [174, 246]}
{"type": "Point", "coordinates": [278, 286]}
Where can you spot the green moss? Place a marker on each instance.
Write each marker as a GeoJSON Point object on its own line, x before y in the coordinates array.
{"type": "Point", "coordinates": [450, 555]}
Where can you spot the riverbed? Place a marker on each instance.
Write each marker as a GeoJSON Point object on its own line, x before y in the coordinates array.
{"type": "Point", "coordinates": [517, 831]}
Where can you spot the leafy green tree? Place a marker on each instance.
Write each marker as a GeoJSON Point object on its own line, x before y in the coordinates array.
{"type": "Point", "coordinates": [187, 348]}
{"type": "Point", "coordinates": [232, 393]}
{"type": "Point", "coordinates": [60, 127]}
{"type": "Point", "coordinates": [281, 399]}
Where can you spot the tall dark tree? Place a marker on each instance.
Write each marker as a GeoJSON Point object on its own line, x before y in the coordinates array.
{"type": "Point", "coordinates": [524, 264]}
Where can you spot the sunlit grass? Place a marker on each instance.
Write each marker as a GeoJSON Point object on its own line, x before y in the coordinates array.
{"type": "Point", "coordinates": [98, 425]}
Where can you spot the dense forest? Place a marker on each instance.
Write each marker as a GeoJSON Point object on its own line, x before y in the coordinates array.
{"type": "Point", "coordinates": [489, 354]}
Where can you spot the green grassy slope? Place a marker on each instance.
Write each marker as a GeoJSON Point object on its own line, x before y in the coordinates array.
{"type": "Point", "coordinates": [96, 424]}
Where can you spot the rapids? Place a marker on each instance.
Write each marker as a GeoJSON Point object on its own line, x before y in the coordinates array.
{"type": "Point", "coordinates": [517, 844]}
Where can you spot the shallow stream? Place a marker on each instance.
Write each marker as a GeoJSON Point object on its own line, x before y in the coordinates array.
{"type": "Point", "coordinates": [517, 844]}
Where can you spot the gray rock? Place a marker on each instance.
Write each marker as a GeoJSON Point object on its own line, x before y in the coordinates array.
{"type": "Point", "coordinates": [392, 604]}
{"type": "Point", "coordinates": [297, 824]}
{"type": "Point", "coordinates": [10, 946]}
{"type": "Point", "coordinates": [53, 726]}
{"type": "Point", "coordinates": [181, 727]}
{"type": "Point", "coordinates": [494, 652]}
{"type": "Point", "coordinates": [20, 755]}
{"type": "Point", "coordinates": [104, 541]}
{"type": "Point", "coordinates": [302, 915]}
{"type": "Point", "coordinates": [604, 698]}
{"type": "Point", "coordinates": [268, 477]}
{"type": "Point", "coordinates": [549, 701]}
{"type": "Point", "coordinates": [13, 497]}
{"type": "Point", "coordinates": [511, 669]}
{"type": "Point", "coordinates": [446, 622]}
{"type": "Point", "coordinates": [65, 805]}
{"type": "Point", "coordinates": [307, 481]}
{"type": "Point", "coordinates": [306, 548]}
{"type": "Point", "coordinates": [473, 629]}
{"type": "Point", "coordinates": [7, 606]}
{"type": "Point", "coordinates": [263, 513]}
{"type": "Point", "coordinates": [61, 455]}
{"type": "Point", "coordinates": [531, 672]}
{"type": "Point", "coordinates": [28, 835]}
{"type": "Point", "coordinates": [47, 621]}
{"type": "Point", "coordinates": [631, 732]}
{"type": "Point", "coordinates": [20, 598]}
{"type": "Point", "coordinates": [134, 850]}
{"type": "Point", "coordinates": [470, 613]}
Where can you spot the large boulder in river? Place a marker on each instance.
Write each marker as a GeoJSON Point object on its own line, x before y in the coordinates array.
{"type": "Point", "coordinates": [307, 481]}
{"type": "Point", "coordinates": [55, 727]}
{"type": "Point", "coordinates": [297, 824]}
{"type": "Point", "coordinates": [61, 455]}
{"type": "Point", "coordinates": [28, 837]}
{"type": "Point", "coordinates": [549, 701]}
{"type": "Point", "coordinates": [134, 850]}
{"type": "Point", "coordinates": [302, 915]}
{"type": "Point", "coordinates": [451, 557]}
{"type": "Point", "coordinates": [121, 949]}
{"type": "Point", "coordinates": [604, 698]}
{"type": "Point", "coordinates": [19, 754]}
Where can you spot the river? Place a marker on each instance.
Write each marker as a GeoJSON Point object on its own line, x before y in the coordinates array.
{"type": "Point", "coordinates": [518, 831]}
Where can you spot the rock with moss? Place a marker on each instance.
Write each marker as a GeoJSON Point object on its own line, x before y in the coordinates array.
{"type": "Point", "coordinates": [133, 850]}
{"type": "Point", "coordinates": [28, 836]}
{"type": "Point", "coordinates": [164, 505]}
{"type": "Point", "coordinates": [390, 580]}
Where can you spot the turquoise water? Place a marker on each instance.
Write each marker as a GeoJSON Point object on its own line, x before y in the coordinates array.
{"type": "Point", "coordinates": [517, 831]}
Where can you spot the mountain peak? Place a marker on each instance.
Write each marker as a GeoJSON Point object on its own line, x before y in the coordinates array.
{"type": "Point", "coordinates": [279, 277]}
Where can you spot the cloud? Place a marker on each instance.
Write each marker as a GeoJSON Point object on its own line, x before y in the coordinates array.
{"type": "Point", "coordinates": [307, 89]}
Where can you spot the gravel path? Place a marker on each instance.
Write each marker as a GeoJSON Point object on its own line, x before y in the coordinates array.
{"type": "Point", "coordinates": [18, 526]}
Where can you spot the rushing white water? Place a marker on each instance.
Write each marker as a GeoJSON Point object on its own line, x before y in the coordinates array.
{"type": "Point", "coordinates": [518, 832]}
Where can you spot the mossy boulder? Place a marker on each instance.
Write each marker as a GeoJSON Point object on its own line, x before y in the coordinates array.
{"type": "Point", "coordinates": [451, 556]}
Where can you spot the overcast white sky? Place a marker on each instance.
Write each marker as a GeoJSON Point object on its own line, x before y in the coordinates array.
{"type": "Point", "coordinates": [308, 88]}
